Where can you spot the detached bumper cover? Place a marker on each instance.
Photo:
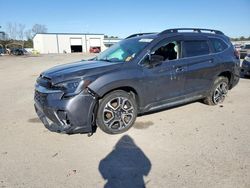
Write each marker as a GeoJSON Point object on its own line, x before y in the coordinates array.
{"type": "Point", "coordinates": [71, 115]}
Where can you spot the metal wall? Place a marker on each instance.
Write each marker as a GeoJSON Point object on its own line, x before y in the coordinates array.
{"type": "Point", "coordinates": [61, 43]}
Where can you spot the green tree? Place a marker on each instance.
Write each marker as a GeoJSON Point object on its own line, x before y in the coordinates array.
{"type": "Point", "coordinates": [242, 38]}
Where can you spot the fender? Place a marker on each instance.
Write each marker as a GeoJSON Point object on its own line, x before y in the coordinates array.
{"type": "Point", "coordinates": [124, 78]}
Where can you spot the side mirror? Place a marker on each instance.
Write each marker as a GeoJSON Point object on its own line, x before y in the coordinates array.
{"type": "Point", "coordinates": [152, 60]}
{"type": "Point", "coordinates": [155, 59]}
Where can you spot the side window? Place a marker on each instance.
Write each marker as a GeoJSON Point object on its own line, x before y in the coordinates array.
{"type": "Point", "coordinates": [218, 45]}
{"type": "Point", "coordinates": [195, 48]}
{"type": "Point", "coordinates": [168, 50]}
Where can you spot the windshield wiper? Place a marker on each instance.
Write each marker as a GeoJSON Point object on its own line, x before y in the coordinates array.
{"type": "Point", "coordinates": [104, 60]}
{"type": "Point", "coordinates": [112, 60]}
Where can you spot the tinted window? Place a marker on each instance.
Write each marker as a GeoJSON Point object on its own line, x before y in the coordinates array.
{"type": "Point", "coordinates": [195, 48]}
{"type": "Point", "coordinates": [218, 45]}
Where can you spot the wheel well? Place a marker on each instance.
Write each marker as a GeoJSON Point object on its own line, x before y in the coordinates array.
{"type": "Point", "coordinates": [228, 75]}
{"type": "Point", "coordinates": [127, 89]}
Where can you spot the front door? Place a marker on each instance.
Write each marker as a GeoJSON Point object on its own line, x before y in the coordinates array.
{"type": "Point", "coordinates": [163, 81]}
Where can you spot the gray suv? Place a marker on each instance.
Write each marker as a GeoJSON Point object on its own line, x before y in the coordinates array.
{"type": "Point", "coordinates": [142, 73]}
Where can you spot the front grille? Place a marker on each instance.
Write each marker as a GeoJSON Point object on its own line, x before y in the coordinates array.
{"type": "Point", "coordinates": [40, 97]}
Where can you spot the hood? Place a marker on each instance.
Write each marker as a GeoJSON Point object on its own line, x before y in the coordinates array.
{"type": "Point", "coordinates": [79, 69]}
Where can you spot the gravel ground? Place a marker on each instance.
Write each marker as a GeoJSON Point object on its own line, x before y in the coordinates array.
{"type": "Point", "coordinates": [193, 145]}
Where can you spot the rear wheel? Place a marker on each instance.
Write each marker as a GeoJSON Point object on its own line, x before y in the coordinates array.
{"type": "Point", "coordinates": [117, 112]}
{"type": "Point", "coordinates": [219, 91]}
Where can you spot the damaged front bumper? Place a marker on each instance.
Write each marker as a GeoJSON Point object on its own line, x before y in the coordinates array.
{"type": "Point", "coordinates": [65, 115]}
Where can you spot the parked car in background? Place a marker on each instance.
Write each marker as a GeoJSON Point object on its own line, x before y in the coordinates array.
{"type": "Point", "coordinates": [245, 67]}
{"type": "Point", "coordinates": [18, 51]}
{"type": "Point", "coordinates": [244, 51]}
{"type": "Point", "coordinates": [142, 73]}
{"type": "Point", "coordinates": [2, 51]}
{"type": "Point", "coordinates": [96, 49]}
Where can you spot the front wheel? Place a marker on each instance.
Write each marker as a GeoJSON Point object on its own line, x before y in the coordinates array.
{"type": "Point", "coordinates": [117, 112]}
{"type": "Point", "coordinates": [219, 91]}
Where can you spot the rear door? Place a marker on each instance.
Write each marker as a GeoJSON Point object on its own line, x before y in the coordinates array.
{"type": "Point", "coordinates": [200, 65]}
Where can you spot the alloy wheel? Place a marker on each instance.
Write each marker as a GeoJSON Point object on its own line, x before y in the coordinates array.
{"type": "Point", "coordinates": [220, 92]}
{"type": "Point", "coordinates": [118, 113]}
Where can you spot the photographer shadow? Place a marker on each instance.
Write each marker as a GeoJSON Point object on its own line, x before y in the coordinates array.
{"type": "Point", "coordinates": [125, 166]}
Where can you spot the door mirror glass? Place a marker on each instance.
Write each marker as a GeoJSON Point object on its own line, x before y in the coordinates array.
{"type": "Point", "coordinates": [155, 59]}
{"type": "Point", "coordinates": [152, 60]}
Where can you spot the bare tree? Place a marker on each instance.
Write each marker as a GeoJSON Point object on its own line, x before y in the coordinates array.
{"type": "Point", "coordinates": [8, 28]}
{"type": "Point", "coordinates": [17, 31]}
{"type": "Point", "coordinates": [11, 30]}
{"type": "Point", "coordinates": [28, 34]}
{"type": "Point", "coordinates": [21, 28]}
{"type": "Point", "coordinates": [38, 28]}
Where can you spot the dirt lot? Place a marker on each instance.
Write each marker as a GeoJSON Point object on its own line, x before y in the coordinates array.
{"type": "Point", "coordinates": [189, 146]}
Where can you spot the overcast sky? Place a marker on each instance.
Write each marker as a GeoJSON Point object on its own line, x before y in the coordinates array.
{"type": "Point", "coordinates": [123, 17]}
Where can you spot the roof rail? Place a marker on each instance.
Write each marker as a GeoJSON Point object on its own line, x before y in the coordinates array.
{"type": "Point", "coordinates": [138, 34]}
{"type": "Point", "coordinates": [199, 30]}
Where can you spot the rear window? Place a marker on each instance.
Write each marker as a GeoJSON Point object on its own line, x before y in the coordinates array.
{"type": "Point", "coordinates": [195, 48]}
{"type": "Point", "coordinates": [218, 45]}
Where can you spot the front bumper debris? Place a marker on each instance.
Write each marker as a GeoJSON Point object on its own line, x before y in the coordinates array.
{"type": "Point", "coordinates": [64, 115]}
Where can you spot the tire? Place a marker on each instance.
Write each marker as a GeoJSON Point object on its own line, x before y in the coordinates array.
{"type": "Point", "coordinates": [218, 91]}
{"type": "Point", "coordinates": [117, 112]}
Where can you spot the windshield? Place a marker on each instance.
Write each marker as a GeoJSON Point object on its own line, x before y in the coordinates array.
{"type": "Point", "coordinates": [124, 51]}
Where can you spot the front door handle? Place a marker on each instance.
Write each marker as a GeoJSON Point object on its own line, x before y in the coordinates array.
{"type": "Point", "coordinates": [179, 69]}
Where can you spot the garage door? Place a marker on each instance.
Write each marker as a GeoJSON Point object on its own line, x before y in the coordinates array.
{"type": "Point", "coordinates": [75, 45]}
{"type": "Point", "coordinates": [95, 42]}
{"type": "Point", "coordinates": [75, 41]}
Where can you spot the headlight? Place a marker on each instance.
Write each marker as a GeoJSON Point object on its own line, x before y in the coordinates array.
{"type": "Point", "coordinates": [70, 88]}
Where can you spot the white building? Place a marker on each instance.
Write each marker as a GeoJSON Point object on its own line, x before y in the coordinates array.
{"type": "Point", "coordinates": [67, 42]}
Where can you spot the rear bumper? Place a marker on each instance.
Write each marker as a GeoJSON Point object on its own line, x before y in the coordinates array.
{"type": "Point", "coordinates": [71, 115]}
